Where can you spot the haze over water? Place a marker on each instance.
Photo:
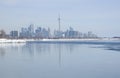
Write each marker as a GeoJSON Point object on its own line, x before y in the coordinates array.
{"type": "Point", "coordinates": [43, 60]}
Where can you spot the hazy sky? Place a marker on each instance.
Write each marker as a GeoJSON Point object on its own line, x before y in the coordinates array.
{"type": "Point", "coordinates": [100, 16]}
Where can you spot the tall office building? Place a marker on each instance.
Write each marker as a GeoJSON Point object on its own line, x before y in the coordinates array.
{"type": "Point", "coordinates": [14, 34]}
{"type": "Point", "coordinates": [31, 28]}
{"type": "Point", "coordinates": [31, 31]}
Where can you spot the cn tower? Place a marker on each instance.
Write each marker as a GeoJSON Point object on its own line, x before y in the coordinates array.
{"type": "Point", "coordinates": [59, 23]}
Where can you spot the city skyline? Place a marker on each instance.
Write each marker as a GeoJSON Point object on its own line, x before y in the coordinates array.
{"type": "Point", "coordinates": [40, 32]}
{"type": "Point", "coordinates": [99, 16]}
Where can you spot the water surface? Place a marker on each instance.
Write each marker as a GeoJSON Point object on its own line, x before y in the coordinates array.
{"type": "Point", "coordinates": [59, 61]}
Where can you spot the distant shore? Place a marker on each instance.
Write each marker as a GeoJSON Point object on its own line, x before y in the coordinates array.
{"type": "Point", "coordinates": [98, 40]}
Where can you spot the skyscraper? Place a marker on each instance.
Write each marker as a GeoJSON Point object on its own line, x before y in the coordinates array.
{"type": "Point", "coordinates": [31, 31]}
{"type": "Point", "coordinates": [14, 34]}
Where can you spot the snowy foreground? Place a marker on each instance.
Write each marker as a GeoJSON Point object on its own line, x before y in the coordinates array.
{"type": "Point", "coordinates": [12, 41]}
{"type": "Point", "coordinates": [102, 40]}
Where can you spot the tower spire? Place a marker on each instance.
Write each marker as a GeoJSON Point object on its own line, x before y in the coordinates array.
{"type": "Point", "coordinates": [59, 22]}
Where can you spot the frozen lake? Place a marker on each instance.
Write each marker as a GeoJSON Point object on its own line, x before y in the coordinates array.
{"type": "Point", "coordinates": [47, 60]}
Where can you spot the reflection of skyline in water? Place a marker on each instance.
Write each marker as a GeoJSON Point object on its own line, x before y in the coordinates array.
{"type": "Point", "coordinates": [45, 60]}
{"type": "Point", "coordinates": [6, 48]}
{"type": "Point", "coordinates": [47, 49]}
{"type": "Point", "coordinates": [2, 52]}
{"type": "Point", "coordinates": [30, 51]}
{"type": "Point", "coordinates": [41, 48]}
{"type": "Point", "coordinates": [33, 49]}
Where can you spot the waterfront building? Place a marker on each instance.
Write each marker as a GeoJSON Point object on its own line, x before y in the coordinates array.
{"type": "Point", "coordinates": [31, 31]}
{"type": "Point", "coordinates": [49, 33]}
{"type": "Point", "coordinates": [27, 32]}
{"type": "Point", "coordinates": [38, 32]}
{"type": "Point", "coordinates": [89, 35]}
{"type": "Point", "coordinates": [24, 33]}
{"type": "Point", "coordinates": [14, 34]}
{"type": "Point", "coordinates": [42, 33]}
{"type": "Point", "coordinates": [71, 33]}
{"type": "Point", "coordinates": [45, 33]}
{"type": "Point", "coordinates": [58, 34]}
{"type": "Point", "coordinates": [2, 34]}
{"type": "Point", "coordinates": [80, 35]}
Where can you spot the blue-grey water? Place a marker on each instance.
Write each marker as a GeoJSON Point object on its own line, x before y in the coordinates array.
{"type": "Point", "coordinates": [43, 60]}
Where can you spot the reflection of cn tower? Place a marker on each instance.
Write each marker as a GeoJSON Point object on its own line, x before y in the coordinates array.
{"type": "Point", "coordinates": [59, 55]}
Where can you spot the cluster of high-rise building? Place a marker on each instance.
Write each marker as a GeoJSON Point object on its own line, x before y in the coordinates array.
{"type": "Point", "coordinates": [40, 33]}
{"type": "Point", "coordinates": [71, 33]}
{"type": "Point", "coordinates": [37, 33]}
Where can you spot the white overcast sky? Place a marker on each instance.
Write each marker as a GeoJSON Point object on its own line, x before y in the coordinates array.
{"type": "Point", "coordinates": [99, 16]}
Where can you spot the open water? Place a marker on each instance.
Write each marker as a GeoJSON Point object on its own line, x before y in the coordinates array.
{"type": "Point", "coordinates": [47, 60]}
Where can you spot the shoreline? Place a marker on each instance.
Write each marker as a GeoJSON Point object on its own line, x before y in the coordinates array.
{"type": "Point", "coordinates": [97, 40]}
